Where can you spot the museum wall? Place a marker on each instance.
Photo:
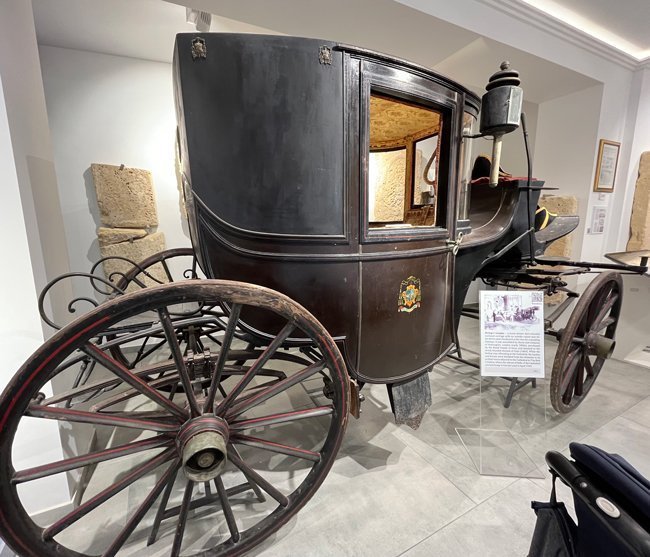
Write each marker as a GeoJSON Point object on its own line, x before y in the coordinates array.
{"type": "Point", "coordinates": [30, 228]}
{"type": "Point", "coordinates": [569, 170]}
{"type": "Point", "coordinates": [113, 110]}
{"type": "Point", "coordinates": [30, 136]}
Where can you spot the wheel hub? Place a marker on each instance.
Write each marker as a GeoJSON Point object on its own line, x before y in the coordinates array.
{"type": "Point", "coordinates": [202, 445]}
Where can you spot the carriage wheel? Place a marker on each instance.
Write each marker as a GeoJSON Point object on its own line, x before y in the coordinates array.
{"type": "Point", "coordinates": [586, 341]}
{"type": "Point", "coordinates": [202, 472]}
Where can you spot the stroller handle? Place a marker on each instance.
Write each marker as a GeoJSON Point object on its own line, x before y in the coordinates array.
{"type": "Point", "coordinates": [624, 527]}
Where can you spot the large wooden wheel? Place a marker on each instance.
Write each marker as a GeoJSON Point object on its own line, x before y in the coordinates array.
{"type": "Point", "coordinates": [586, 341]}
{"type": "Point", "coordinates": [210, 468]}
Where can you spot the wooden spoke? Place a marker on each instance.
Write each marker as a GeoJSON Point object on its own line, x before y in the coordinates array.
{"type": "Point", "coordinates": [175, 348]}
{"type": "Point", "coordinates": [604, 310]}
{"type": "Point", "coordinates": [283, 417]}
{"type": "Point", "coordinates": [258, 492]}
{"type": "Point", "coordinates": [275, 447]}
{"type": "Point", "coordinates": [274, 390]}
{"type": "Point", "coordinates": [569, 370]}
{"type": "Point", "coordinates": [223, 355]}
{"type": "Point", "coordinates": [161, 509]}
{"type": "Point", "coordinates": [259, 480]}
{"type": "Point", "coordinates": [44, 470]}
{"type": "Point", "coordinates": [99, 499]}
{"type": "Point", "coordinates": [580, 376]}
{"type": "Point", "coordinates": [257, 366]}
{"type": "Point", "coordinates": [144, 507]}
{"type": "Point", "coordinates": [130, 393]}
{"type": "Point", "coordinates": [227, 510]}
{"type": "Point", "coordinates": [568, 393]}
{"type": "Point", "coordinates": [604, 324]}
{"type": "Point", "coordinates": [182, 519]}
{"type": "Point", "coordinates": [106, 383]}
{"type": "Point", "coordinates": [136, 382]}
{"type": "Point", "coordinates": [97, 418]}
{"type": "Point", "coordinates": [588, 367]}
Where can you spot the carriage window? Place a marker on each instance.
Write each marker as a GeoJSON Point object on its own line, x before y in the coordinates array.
{"type": "Point", "coordinates": [403, 164]}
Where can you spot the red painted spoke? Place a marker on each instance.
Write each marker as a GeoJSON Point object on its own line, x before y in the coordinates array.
{"type": "Point", "coordinates": [142, 510]}
{"type": "Point", "coordinates": [284, 417]}
{"type": "Point", "coordinates": [572, 362]}
{"type": "Point", "coordinates": [580, 376]}
{"type": "Point", "coordinates": [598, 300]}
{"type": "Point", "coordinates": [275, 447]}
{"type": "Point", "coordinates": [604, 324]}
{"type": "Point", "coordinates": [604, 310]}
{"type": "Point", "coordinates": [161, 509]}
{"type": "Point", "coordinates": [106, 383]}
{"type": "Point", "coordinates": [274, 390]}
{"type": "Point", "coordinates": [258, 492]}
{"type": "Point", "coordinates": [177, 355]}
{"type": "Point", "coordinates": [37, 472]}
{"type": "Point", "coordinates": [182, 519]}
{"type": "Point", "coordinates": [136, 382]}
{"type": "Point", "coordinates": [257, 366]}
{"type": "Point", "coordinates": [130, 393]}
{"type": "Point", "coordinates": [568, 393]}
{"type": "Point", "coordinates": [106, 494]}
{"type": "Point", "coordinates": [223, 356]}
{"type": "Point", "coordinates": [97, 418]}
{"type": "Point", "coordinates": [227, 509]}
{"type": "Point", "coordinates": [252, 475]}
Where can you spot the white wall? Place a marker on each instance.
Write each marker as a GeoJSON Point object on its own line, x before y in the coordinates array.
{"type": "Point", "coordinates": [638, 141]}
{"type": "Point", "coordinates": [30, 136]}
{"type": "Point", "coordinates": [113, 110]}
{"type": "Point", "coordinates": [574, 119]}
{"type": "Point", "coordinates": [20, 326]}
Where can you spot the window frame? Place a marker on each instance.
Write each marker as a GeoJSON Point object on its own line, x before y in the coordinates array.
{"type": "Point", "coordinates": [402, 85]}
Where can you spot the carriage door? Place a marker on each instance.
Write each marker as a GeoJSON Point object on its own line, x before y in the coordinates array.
{"type": "Point", "coordinates": [407, 208]}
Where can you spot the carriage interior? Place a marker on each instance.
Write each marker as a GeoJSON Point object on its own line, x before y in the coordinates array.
{"type": "Point", "coordinates": [403, 164]}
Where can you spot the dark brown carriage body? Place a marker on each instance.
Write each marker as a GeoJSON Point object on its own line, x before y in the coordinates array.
{"type": "Point", "coordinates": [274, 144]}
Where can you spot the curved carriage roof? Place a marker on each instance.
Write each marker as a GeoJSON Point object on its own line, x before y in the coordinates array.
{"type": "Point", "coordinates": [267, 131]}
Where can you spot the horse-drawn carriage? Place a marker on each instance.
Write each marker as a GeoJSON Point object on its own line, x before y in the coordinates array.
{"type": "Point", "coordinates": [332, 210]}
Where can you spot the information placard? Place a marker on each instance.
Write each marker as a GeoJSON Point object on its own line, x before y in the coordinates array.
{"type": "Point", "coordinates": [512, 333]}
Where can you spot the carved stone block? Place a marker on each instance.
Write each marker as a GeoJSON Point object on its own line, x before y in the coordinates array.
{"type": "Point", "coordinates": [640, 220]}
{"type": "Point", "coordinates": [118, 235]}
{"type": "Point", "coordinates": [125, 196]}
{"type": "Point", "coordinates": [560, 205]}
{"type": "Point", "coordinates": [135, 250]}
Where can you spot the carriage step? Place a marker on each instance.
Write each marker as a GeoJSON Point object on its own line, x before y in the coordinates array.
{"type": "Point", "coordinates": [560, 226]}
{"type": "Point", "coordinates": [410, 400]}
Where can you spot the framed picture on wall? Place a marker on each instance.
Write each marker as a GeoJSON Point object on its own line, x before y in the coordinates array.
{"type": "Point", "coordinates": [606, 168]}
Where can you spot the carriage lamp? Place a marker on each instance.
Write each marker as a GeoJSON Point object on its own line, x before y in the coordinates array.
{"type": "Point", "coordinates": [500, 111]}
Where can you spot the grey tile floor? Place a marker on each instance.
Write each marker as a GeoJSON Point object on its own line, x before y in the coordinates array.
{"type": "Point", "coordinates": [398, 492]}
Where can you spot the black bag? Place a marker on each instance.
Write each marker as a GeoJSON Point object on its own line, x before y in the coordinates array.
{"type": "Point", "coordinates": [555, 531]}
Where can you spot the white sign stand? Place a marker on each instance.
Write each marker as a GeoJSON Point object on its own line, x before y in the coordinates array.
{"type": "Point", "coordinates": [512, 333]}
{"type": "Point", "coordinates": [512, 346]}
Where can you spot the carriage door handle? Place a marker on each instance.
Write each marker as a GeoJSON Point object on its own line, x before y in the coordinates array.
{"type": "Point", "coordinates": [454, 245]}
